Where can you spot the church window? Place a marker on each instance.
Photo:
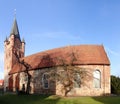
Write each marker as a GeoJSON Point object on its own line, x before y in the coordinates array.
{"type": "Point", "coordinates": [96, 79]}
{"type": "Point", "coordinates": [77, 80]}
{"type": "Point", "coordinates": [45, 81]}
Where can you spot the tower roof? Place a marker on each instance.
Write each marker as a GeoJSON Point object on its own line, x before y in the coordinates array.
{"type": "Point", "coordinates": [6, 40]}
{"type": "Point", "coordinates": [23, 40]}
{"type": "Point", "coordinates": [15, 30]}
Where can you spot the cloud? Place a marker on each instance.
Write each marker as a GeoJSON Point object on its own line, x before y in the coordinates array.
{"type": "Point", "coordinates": [51, 34]}
{"type": "Point", "coordinates": [113, 52]}
{"type": "Point", "coordinates": [54, 34]}
{"type": "Point", "coordinates": [58, 35]}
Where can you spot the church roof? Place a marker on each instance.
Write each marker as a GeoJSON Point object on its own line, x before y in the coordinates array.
{"type": "Point", "coordinates": [84, 55]}
{"type": "Point", "coordinates": [15, 30]}
{"type": "Point", "coordinates": [1, 82]}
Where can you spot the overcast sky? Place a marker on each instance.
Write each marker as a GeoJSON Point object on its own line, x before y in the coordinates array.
{"type": "Point", "coordinates": [47, 24]}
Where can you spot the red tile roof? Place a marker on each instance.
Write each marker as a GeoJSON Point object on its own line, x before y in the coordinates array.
{"type": "Point", "coordinates": [1, 82]}
{"type": "Point", "coordinates": [85, 55]}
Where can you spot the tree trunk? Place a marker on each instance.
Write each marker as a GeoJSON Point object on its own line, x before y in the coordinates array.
{"type": "Point", "coordinates": [28, 84]}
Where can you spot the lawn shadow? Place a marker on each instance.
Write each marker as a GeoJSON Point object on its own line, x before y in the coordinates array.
{"type": "Point", "coordinates": [54, 99]}
{"type": "Point", "coordinates": [29, 99]}
{"type": "Point", "coordinates": [108, 99]}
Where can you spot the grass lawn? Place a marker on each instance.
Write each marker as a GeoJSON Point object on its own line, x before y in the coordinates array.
{"type": "Point", "coordinates": [39, 99]}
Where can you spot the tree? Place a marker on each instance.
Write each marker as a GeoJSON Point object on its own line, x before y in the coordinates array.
{"type": "Point", "coordinates": [26, 70]}
{"type": "Point", "coordinates": [115, 84]}
{"type": "Point", "coordinates": [69, 75]}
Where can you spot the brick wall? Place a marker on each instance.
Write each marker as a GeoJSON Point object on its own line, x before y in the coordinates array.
{"type": "Point", "coordinates": [86, 88]}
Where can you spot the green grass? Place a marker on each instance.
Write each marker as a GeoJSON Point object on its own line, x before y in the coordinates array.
{"type": "Point", "coordinates": [39, 99]}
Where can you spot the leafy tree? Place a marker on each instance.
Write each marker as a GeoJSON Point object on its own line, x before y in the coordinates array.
{"type": "Point", "coordinates": [115, 85]}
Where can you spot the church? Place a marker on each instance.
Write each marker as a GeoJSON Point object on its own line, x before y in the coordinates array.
{"type": "Point", "coordinates": [90, 60]}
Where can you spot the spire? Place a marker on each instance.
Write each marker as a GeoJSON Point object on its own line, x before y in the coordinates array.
{"type": "Point", "coordinates": [6, 40]}
{"type": "Point", "coordinates": [23, 40]}
{"type": "Point", "coordinates": [15, 30]}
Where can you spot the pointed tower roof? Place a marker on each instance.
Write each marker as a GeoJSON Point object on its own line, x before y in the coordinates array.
{"type": "Point", "coordinates": [23, 40]}
{"type": "Point", "coordinates": [6, 40]}
{"type": "Point", "coordinates": [15, 30]}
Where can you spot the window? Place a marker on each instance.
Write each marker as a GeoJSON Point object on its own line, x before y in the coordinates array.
{"type": "Point", "coordinates": [45, 81]}
{"type": "Point", "coordinates": [77, 80]}
{"type": "Point", "coordinates": [97, 79]}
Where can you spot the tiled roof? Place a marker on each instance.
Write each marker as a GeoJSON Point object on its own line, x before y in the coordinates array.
{"type": "Point", "coordinates": [84, 54]}
{"type": "Point", "coordinates": [1, 82]}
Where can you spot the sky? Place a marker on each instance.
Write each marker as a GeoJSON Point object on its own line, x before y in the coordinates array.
{"type": "Point", "coordinates": [48, 24]}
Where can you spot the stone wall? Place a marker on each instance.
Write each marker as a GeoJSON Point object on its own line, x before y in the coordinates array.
{"type": "Point", "coordinates": [86, 89]}
{"type": "Point", "coordinates": [38, 85]}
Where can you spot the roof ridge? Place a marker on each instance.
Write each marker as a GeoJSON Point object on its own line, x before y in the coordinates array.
{"type": "Point", "coordinates": [49, 50]}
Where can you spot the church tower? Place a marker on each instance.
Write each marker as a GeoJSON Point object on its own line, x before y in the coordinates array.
{"type": "Point", "coordinates": [12, 45]}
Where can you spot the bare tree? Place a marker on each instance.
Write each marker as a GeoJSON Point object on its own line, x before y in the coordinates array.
{"type": "Point", "coordinates": [26, 70]}
{"type": "Point", "coordinates": [71, 74]}
{"type": "Point", "coordinates": [68, 74]}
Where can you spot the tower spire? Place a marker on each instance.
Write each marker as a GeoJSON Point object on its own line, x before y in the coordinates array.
{"type": "Point", "coordinates": [15, 30]}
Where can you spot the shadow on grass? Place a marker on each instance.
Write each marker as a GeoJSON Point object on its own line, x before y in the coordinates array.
{"type": "Point", "coordinates": [28, 99]}
{"type": "Point", "coordinates": [48, 99]}
{"type": "Point", "coordinates": [108, 99]}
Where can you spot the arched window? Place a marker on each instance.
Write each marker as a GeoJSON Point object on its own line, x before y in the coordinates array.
{"type": "Point", "coordinates": [97, 79]}
{"type": "Point", "coordinates": [45, 81]}
{"type": "Point", "coordinates": [77, 79]}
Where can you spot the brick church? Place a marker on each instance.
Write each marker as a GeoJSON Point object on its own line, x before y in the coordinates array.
{"type": "Point", "coordinates": [91, 58]}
